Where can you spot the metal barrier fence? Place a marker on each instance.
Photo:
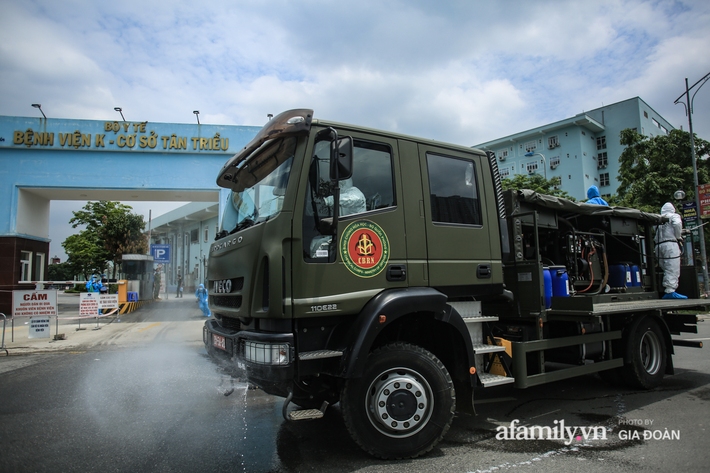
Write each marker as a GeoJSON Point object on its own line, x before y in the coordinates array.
{"type": "Point", "coordinates": [4, 323]}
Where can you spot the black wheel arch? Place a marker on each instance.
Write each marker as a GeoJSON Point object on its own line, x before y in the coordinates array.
{"type": "Point", "coordinates": [403, 308]}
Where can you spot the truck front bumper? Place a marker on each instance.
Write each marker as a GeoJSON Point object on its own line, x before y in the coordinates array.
{"type": "Point", "coordinates": [266, 358]}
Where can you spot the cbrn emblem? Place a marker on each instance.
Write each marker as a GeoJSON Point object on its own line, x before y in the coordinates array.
{"type": "Point", "coordinates": [364, 248]}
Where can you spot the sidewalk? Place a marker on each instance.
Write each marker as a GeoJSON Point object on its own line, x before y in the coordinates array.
{"type": "Point", "coordinates": [75, 333]}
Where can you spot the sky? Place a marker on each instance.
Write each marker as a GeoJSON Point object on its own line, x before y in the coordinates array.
{"type": "Point", "coordinates": [462, 71]}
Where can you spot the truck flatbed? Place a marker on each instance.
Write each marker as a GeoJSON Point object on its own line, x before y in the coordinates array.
{"type": "Point", "coordinates": [599, 309]}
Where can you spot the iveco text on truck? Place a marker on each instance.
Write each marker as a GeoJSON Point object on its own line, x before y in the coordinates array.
{"type": "Point", "coordinates": [393, 275]}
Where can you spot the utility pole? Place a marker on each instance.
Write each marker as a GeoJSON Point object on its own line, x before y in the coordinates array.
{"type": "Point", "coordinates": [689, 112]}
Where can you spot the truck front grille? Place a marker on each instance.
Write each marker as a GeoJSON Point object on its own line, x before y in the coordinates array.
{"type": "Point", "coordinates": [232, 302]}
{"type": "Point", "coordinates": [230, 323]}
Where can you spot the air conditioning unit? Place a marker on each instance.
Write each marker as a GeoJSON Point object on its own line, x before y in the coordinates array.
{"type": "Point", "coordinates": [601, 166]}
{"type": "Point", "coordinates": [553, 166]}
{"type": "Point", "coordinates": [501, 158]}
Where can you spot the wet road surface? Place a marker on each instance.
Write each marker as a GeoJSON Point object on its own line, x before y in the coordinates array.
{"type": "Point", "coordinates": [144, 397]}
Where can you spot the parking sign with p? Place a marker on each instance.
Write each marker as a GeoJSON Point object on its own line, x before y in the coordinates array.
{"type": "Point", "coordinates": [160, 253]}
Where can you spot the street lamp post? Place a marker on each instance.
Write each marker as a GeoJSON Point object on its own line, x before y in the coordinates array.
{"type": "Point", "coordinates": [530, 154]}
{"type": "Point", "coordinates": [689, 112]}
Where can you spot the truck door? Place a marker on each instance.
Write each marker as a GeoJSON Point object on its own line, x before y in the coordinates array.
{"type": "Point", "coordinates": [370, 255]}
{"type": "Point", "coordinates": [463, 258]}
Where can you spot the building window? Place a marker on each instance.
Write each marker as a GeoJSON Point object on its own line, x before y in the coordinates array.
{"type": "Point", "coordinates": [38, 270]}
{"type": "Point", "coordinates": [504, 173]}
{"type": "Point", "coordinates": [194, 236]}
{"type": "Point", "coordinates": [601, 142]}
{"type": "Point", "coordinates": [531, 167]}
{"type": "Point", "coordinates": [602, 160]}
{"type": "Point", "coordinates": [664, 129]}
{"type": "Point", "coordinates": [655, 122]}
{"type": "Point", "coordinates": [530, 146]}
{"type": "Point", "coordinates": [554, 162]}
{"type": "Point", "coordinates": [454, 193]}
{"type": "Point", "coordinates": [502, 154]}
{"type": "Point", "coordinates": [645, 114]}
{"type": "Point", "coordinates": [207, 235]}
{"type": "Point", "coordinates": [25, 266]}
{"type": "Point", "coordinates": [553, 142]}
{"type": "Point", "coordinates": [604, 179]}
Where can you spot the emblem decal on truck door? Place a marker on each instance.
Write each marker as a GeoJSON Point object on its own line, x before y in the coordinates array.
{"type": "Point", "coordinates": [364, 248]}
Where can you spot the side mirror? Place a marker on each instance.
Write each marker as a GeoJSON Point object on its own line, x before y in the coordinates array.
{"type": "Point", "coordinates": [341, 159]}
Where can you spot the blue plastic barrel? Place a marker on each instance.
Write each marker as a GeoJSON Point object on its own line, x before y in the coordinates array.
{"type": "Point", "coordinates": [617, 275]}
{"type": "Point", "coordinates": [560, 281]}
{"type": "Point", "coordinates": [547, 282]}
{"type": "Point", "coordinates": [635, 275]}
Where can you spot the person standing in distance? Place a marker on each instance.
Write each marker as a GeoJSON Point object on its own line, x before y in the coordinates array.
{"type": "Point", "coordinates": [668, 243]}
{"type": "Point", "coordinates": [594, 197]}
{"type": "Point", "coordinates": [201, 295]}
{"type": "Point", "coordinates": [179, 286]}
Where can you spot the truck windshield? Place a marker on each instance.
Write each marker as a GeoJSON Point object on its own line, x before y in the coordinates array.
{"type": "Point", "coordinates": [261, 186]}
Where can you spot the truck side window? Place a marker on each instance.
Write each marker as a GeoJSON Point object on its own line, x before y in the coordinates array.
{"type": "Point", "coordinates": [370, 188]}
{"type": "Point", "coordinates": [454, 193]}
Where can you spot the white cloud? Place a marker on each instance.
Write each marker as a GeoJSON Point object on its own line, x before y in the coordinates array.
{"type": "Point", "coordinates": [459, 71]}
{"type": "Point", "coordinates": [392, 64]}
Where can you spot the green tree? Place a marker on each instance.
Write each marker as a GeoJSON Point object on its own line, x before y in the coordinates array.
{"type": "Point", "coordinates": [62, 271]}
{"type": "Point", "coordinates": [653, 168]}
{"type": "Point", "coordinates": [85, 253]}
{"type": "Point", "coordinates": [536, 183]}
{"type": "Point", "coordinates": [111, 231]}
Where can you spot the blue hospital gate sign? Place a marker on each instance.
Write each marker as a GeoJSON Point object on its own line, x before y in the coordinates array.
{"type": "Point", "coordinates": [160, 253]}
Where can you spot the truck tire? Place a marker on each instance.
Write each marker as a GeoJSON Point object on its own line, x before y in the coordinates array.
{"type": "Point", "coordinates": [403, 404]}
{"type": "Point", "coordinates": [646, 354]}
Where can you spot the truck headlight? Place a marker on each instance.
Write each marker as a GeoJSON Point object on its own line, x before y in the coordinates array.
{"type": "Point", "coordinates": [267, 353]}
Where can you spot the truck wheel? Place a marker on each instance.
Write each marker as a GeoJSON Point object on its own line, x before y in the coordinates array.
{"type": "Point", "coordinates": [647, 354]}
{"type": "Point", "coordinates": [403, 404]}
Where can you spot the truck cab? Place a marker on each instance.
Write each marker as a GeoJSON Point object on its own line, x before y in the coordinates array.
{"type": "Point", "coordinates": [338, 241]}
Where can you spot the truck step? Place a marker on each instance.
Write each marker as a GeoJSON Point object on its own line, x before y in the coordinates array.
{"type": "Point", "coordinates": [471, 312]}
{"type": "Point", "coordinates": [308, 414]}
{"type": "Point", "coordinates": [305, 414]}
{"type": "Point", "coordinates": [318, 354]}
{"type": "Point", "coordinates": [478, 320]}
{"type": "Point", "coordinates": [488, 380]}
{"type": "Point", "coordinates": [479, 348]}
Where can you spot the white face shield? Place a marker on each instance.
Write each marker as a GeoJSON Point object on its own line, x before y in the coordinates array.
{"type": "Point", "coordinates": [469, 175]}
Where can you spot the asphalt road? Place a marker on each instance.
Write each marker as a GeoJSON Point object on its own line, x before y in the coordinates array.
{"type": "Point", "coordinates": [142, 396]}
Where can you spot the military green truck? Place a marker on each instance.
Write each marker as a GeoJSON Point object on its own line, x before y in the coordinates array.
{"type": "Point", "coordinates": [393, 275]}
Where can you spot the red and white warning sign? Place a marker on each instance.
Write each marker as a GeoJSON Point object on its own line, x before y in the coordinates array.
{"type": "Point", "coordinates": [34, 303]}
